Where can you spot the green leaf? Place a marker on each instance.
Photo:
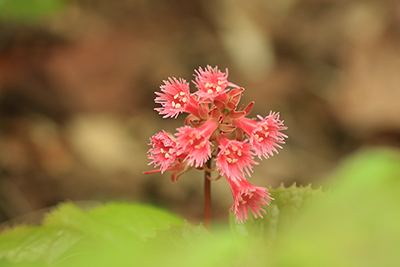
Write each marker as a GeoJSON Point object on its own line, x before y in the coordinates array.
{"type": "Point", "coordinates": [357, 224]}
{"type": "Point", "coordinates": [189, 245]}
{"type": "Point", "coordinates": [29, 10]}
{"type": "Point", "coordinates": [282, 212]}
{"type": "Point", "coordinates": [107, 235]}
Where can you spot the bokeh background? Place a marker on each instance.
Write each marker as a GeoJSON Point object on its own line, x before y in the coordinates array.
{"type": "Point", "coordinates": [77, 83]}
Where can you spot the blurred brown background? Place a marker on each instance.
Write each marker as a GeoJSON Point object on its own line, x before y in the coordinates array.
{"type": "Point", "coordinates": [77, 93]}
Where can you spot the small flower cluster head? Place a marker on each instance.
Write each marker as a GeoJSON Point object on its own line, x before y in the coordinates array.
{"type": "Point", "coordinates": [216, 128]}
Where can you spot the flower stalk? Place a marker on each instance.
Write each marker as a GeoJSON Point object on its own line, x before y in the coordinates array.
{"type": "Point", "coordinates": [207, 196]}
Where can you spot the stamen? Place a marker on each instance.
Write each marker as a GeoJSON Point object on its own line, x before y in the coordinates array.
{"type": "Point", "coordinates": [166, 155]}
{"type": "Point", "coordinates": [184, 100]}
{"type": "Point", "coordinates": [173, 104]}
{"type": "Point", "coordinates": [182, 93]}
{"type": "Point", "coordinates": [176, 96]}
{"type": "Point", "coordinates": [234, 148]}
{"type": "Point", "coordinates": [218, 88]}
{"type": "Point", "coordinates": [234, 160]}
{"type": "Point", "coordinates": [209, 91]}
{"type": "Point", "coordinates": [219, 82]}
{"type": "Point", "coordinates": [229, 160]}
{"type": "Point", "coordinates": [256, 136]}
{"type": "Point", "coordinates": [266, 134]}
{"type": "Point", "coordinates": [178, 105]}
{"type": "Point", "coordinates": [197, 147]}
{"type": "Point", "coordinates": [191, 141]}
{"type": "Point", "coordinates": [227, 152]}
{"type": "Point", "coordinates": [239, 153]}
{"type": "Point", "coordinates": [198, 136]}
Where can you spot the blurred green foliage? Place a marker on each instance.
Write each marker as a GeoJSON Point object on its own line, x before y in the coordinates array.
{"type": "Point", "coordinates": [29, 10]}
{"type": "Point", "coordinates": [356, 223]}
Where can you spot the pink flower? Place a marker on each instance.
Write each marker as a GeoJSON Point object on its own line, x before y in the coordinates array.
{"type": "Point", "coordinates": [264, 135]}
{"type": "Point", "coordinates": [212, 84]}
{"type": "Point", "coordinates": [234, 158]}
{"type": "Point", "coordinates": [163, 151]}
{"type": "Point", "coordinates": [196, 143]}
{"type": "Point", "coordinates": [175, 99]}
{"type": "Point", "coordinates": [248, 197]}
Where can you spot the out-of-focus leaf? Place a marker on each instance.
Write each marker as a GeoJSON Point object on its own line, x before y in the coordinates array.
{"type": "Point", "coordinates": [357, 224]}
{"type": "Point", "coordinates": [29, 10]}
{"type": "Point", "coordinates": [108, 235]}
{"type": "Point", "coordinates": [189, 245]}
{"type": "Point", "coordinates": [282, 211]}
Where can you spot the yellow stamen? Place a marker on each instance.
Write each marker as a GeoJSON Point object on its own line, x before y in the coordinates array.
{"type": "Point", "coordinates": [234, 160]}
{"type": "Point", "coordinates": [176, 96]}
{"type": "Point", "coordinates": [178, 105]}
{"type": "Point", "coordinates": [198, 136]}
{"type": "Point", "coordinates": [239, 153]}
{"type": "Point", "coordinates": [184, 100]}
{"type": "Point", "coordinates": [182, 93]}
{"type": "Point", "coordinates": [227, 152]}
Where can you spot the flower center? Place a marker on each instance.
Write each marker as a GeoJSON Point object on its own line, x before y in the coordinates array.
{"type": "Point", "coordinates": [233, 154]}
{"type": "Point", "coordinates": [166, 152]}
{"type": "Point", "coordinates": [179, 100]}
{"type": "Point", "coordinates": [261, 134]}
{"type": "Point", "coordinates": [213, 88]}
{"type": "Point", "coordinates": [197, 141]}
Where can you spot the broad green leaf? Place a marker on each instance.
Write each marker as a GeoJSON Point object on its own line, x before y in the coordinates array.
{"type": "Point", "coordinates": [189, 246]}
{"type": "Point", "coordinates": [107, 235]}
{"type": "Point", "coordinates": [282, 211]}
{"type": "Point", "coordinates": [357, 224]}
{"type": "Point", "coordinates": [29, 10]}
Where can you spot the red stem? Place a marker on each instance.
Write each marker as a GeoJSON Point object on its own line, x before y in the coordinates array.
{"type": "Point", "coordinates": [207, 198]}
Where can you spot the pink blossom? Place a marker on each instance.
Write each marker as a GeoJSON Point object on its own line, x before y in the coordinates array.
{"type": "Point", "coordinates": [212, 83]}
{"type": "Point", "coordinates": [264, 135]}
{"type": "Point", "coordinates": [248, 197]}
{"type": "Point", "coordinates": [234, 158]}
{"type": "Point", "coordinates": [195, 142]}
{"type": "Point", "coordinates": [175, 98]}
{"type": "Point", "coordinates": [163, 151]}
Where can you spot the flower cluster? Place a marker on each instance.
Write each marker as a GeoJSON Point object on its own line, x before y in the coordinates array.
{"type": "Point", "coordinates": [216, 129]}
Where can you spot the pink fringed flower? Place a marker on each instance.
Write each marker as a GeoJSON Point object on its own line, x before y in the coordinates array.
{"type": "Point", "coordinates": [196, 143]}
{"type": "Point", "coordinates": [163, 151]}
{"type": "Point", "coordinates": [234, 158]}
{"type": "Point", "coordinates": [216, 130]}
{"type": "Point", "coordinates": [264, 135]}
{"type": "Point", "coordinates": [212, 83]}
{"type": "Point", "coordinates": [248, 197]}
{"type": "Point", "coordinates": [175, 99]}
